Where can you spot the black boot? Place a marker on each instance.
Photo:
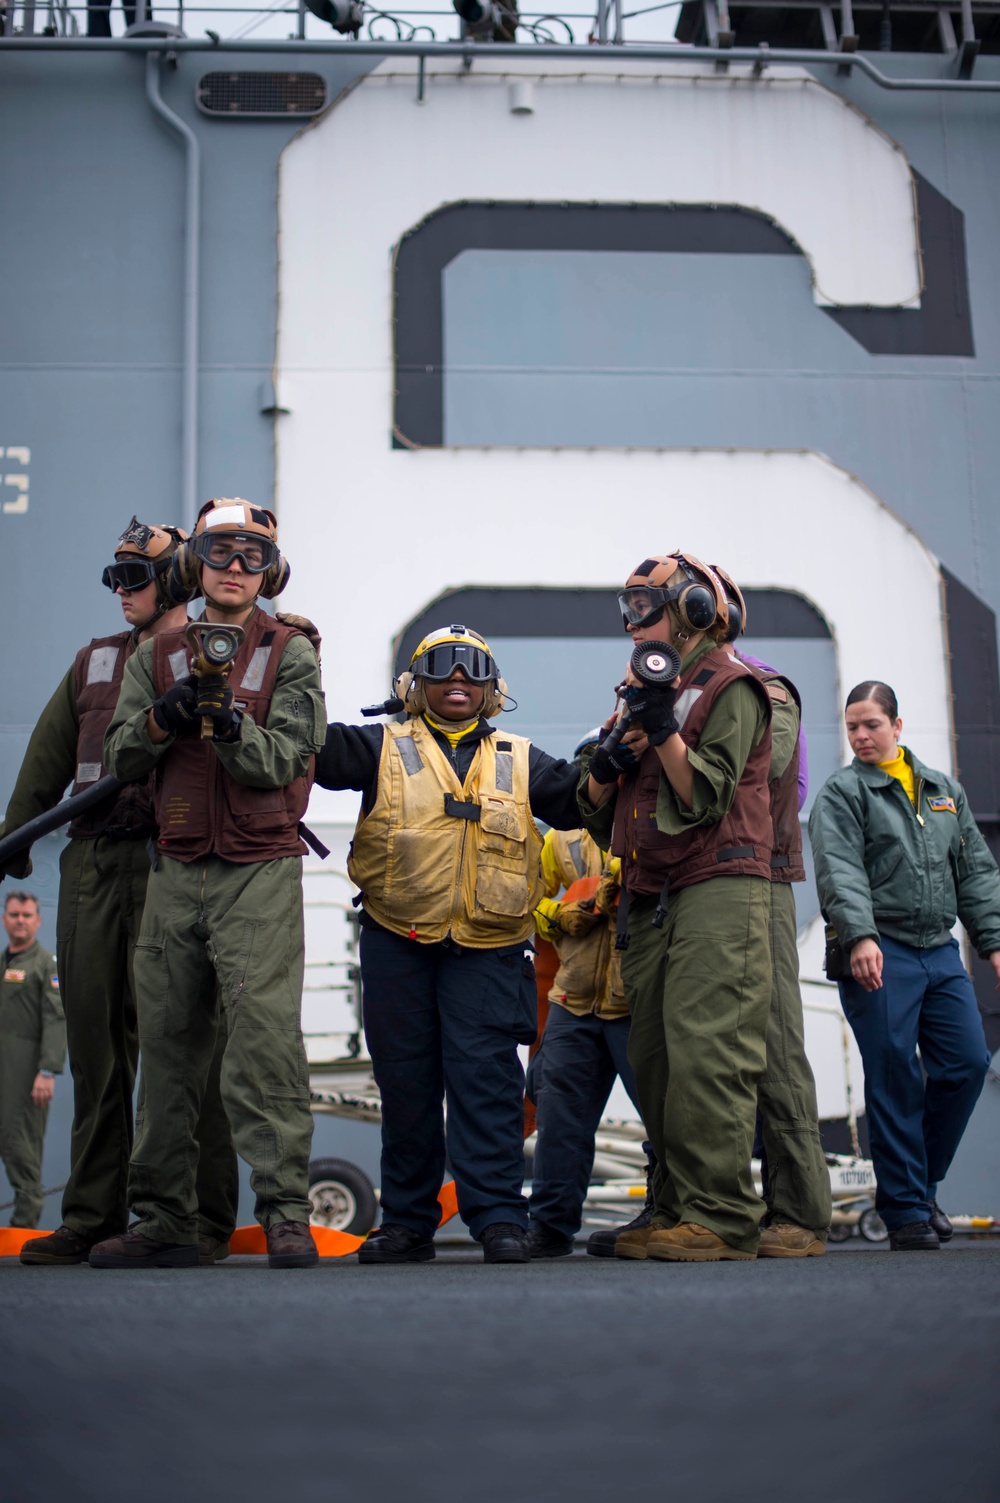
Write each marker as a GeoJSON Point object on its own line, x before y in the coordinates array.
{"type": "Point", "coordinates": [503, 1242]}
{"type": "Point", "coordinates": [915, 1236]}
{"type": "Point", "coordinates": [940, 1223]}
{"type": "Point", "coordinates": [601, 1244]}
{"type": "Point", "coordinates": [545, 1242]}
{"type": "Point", "coordinates": [396, 1244]}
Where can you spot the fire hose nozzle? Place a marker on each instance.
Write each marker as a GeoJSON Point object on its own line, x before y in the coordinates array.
{"type": "Point", "coordinates": [214, 649]}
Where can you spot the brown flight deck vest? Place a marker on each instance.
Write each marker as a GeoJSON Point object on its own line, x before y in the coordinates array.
{"type": "Point", "coordinates": [786, 857]}
{"type": "Point", "coordinates": [438, 860]}
{"type": "Point", "coordinates": [200, 808]}
{"type": "Point", "coordinates": [98, 671]}
{"type": "Point", "coordinates": [739, 844]}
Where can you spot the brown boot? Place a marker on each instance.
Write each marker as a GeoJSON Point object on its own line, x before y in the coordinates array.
{"type": "Point", "coordinates": [290, 1245]}
{"type": "Point", "coordinates": [691, 1243]}
{"type": "Point", "coordinates": [63, 1246]}
{"type": "Point", "coordinates": [784, 1239]}
{"type": "Point", "coordinates": [211, 1250]}
{"type": "Point", "coordinates": [133, 1250]}
{"type": "Point", "coordinates": [632, 1244]}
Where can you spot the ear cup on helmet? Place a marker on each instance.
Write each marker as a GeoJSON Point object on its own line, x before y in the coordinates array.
{"type": "Point", "coordinates": [698, 607]}
{"type": "Point", "coordinates": [182, 581]}
{"type": "Point", "coordinates": [411, 692]}
{"type": "Point", "coordinates": [735, 620]}
{"type": "Point", "coordinates": [493, 700]}
{"type": "Point", "coordinates": [276, 578]}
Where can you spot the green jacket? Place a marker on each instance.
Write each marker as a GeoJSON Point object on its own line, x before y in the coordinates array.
{"type": "Point", "coordinates": [885, 867]}
{"type": "Point", "coordinates": [32, 1025]}
{"type": "Point", "coordinates": [48, 768]}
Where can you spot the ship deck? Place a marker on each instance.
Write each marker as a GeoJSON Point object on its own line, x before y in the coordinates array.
{"type": "Point", "coordinates": [863, 1375]}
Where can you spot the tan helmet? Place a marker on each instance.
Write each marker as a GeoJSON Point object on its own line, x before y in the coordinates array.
{"type": "Point", "coordinates": [681, 583]}
{"type": "Point", "coordinates": [435, 659]}
{"type": "Point", "coordinates": [144, 553]}
{"type": "Point", "coordinates": [736, 606]}
{"type": "Point", "coordinates": [227, 528]}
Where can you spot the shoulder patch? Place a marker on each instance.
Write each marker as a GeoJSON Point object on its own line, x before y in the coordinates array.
{"type": "Point", "coordinates": [778, 693]}
{"type": "Point", "coordinates": [54, 982]}
{"type": "Point", "coordinates": [941, 804]}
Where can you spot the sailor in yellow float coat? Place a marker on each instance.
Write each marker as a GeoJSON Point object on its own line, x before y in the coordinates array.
{"type": "Point", "coordinates": [446, 854]}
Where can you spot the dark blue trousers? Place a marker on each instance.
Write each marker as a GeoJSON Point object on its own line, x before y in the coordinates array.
{"type": "Point", "coordinates": [915, 1126]}
{"type": "Point", "coordinates": [570, 1080]}
{"type": "Point", "coordinates": [444, 1024]}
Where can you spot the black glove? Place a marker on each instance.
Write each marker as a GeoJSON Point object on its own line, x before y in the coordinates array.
{"type": "Point", "coordinates": [176, 712]}
{"type": "Point", "coordinates": [653, 709]}
{"type": "Point", "coordinates": [215, 702]}
{"type": "Point", "coordinates": [608, 766]}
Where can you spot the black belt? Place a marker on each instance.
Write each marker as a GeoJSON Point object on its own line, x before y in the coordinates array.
{"type": "Point", "coordinates": [736, 853]}
{"type": "Point", "coordinates": [779, 861]}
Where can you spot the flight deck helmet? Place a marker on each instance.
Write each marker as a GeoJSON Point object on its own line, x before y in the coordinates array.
{"type": "Point", "coordinates": [681, 584]}
{"type": "Point", "coordinates": [144, 553]}
{"type": "Point", "coordinates": [226, 529]}
{"type": "Point", "coordinates": [435, 659]}
{"type": "Point", "coordinates": [736, 606]}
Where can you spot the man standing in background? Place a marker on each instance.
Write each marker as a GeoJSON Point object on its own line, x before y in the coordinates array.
{"type": "Point", "coordinates": [32, 1051]}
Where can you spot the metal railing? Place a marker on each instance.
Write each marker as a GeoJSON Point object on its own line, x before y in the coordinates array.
{"type": "Point", "coordinates": [578, 34]}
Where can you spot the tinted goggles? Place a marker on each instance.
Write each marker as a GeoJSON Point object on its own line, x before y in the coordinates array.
{"type": "Point", "coordinates": [132, 574]}
{"type": "Point", "coordinates": [641, 605]}
{"type": "Point", "coordinates": [439, 663]}
{"type": "Point", "coordinates": [218, 550]}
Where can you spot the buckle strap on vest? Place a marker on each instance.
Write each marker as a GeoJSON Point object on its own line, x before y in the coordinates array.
{"type": "Point", "coordinates": [313, 841]}
{"type": "Point", "coordinates": [662, 906]}
{"type": "Point", "coordinates": [458, 810]}
{"type": "Point", "coordinates": [736, 853]}
{"type": "Point", "coordinates": [621, 927]}
{"type": "Point", "coordinates": [780, 861]}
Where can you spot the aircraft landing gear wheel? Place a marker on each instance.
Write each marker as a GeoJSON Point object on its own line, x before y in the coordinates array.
{"type": "Point", "coordinates": [342, 1197]}
{"type": "Point", "coordinates": [872, 1227]}
{"type": "Point", "coordinates": [840, 1232]}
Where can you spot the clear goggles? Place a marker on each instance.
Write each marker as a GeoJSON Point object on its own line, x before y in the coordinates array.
{"type": "Point", "coordinates": [438, 663]}
{"type": "Point", "coordinates": [641, 605]}
{"type": "Point", "coordinates": [131, 574]}
{"type": "Point", "coordinates": [218, 550]}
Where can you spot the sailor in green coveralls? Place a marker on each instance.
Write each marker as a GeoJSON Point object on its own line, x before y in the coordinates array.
{"type": "Point", "coordinates": [32, 1051]}
{"type": "Point", "coordinates": [224, 918]}
{"type": "Point", "coordinates": [103, 872]}
{"type": "Point", "coordinates": [687, 809]}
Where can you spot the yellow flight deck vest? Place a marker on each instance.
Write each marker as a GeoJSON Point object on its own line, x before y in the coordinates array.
{"type": "Point", "coordinates": [437, 860]}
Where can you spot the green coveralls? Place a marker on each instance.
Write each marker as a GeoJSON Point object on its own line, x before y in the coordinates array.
{"type": "Point", "coordinates": [798, 1181]}
{"type": "Point", "coordinates": [699, 993]}
{"type": "Point", "coordinates": [32, 1038]}
{"type": "Point", "coordinates": [214, 932]}
{"type": "Point", "coordinates": [102, 890]}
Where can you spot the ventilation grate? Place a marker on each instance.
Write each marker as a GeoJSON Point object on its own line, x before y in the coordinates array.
{"type": "Point", "coordinates": [261, 96]}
